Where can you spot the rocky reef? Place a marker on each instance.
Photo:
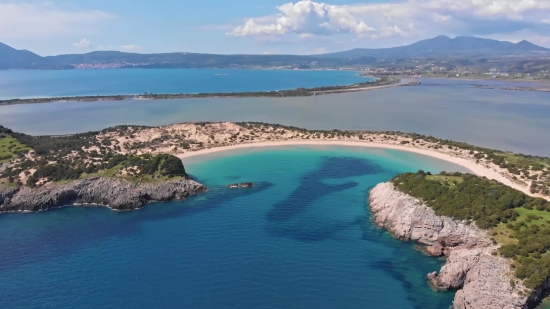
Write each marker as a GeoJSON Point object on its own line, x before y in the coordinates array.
{"type": "Point", "coordinates": [483, 280]}
{"type": "Point", "coordinates": [117, 194]}
{"type": "Point", "coordinates": [240, 185]}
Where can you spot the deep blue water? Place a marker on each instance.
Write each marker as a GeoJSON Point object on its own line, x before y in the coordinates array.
{"type": "Point", "coordinates": [301, 238]}
{"type": "Point", "coordinates": [34, 83]}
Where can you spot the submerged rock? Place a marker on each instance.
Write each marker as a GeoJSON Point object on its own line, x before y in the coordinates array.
{"type": "Point", "coordinates": [482, 279]}
{"type": "Point", "coordinates": [117, 194]}
{"type": "Point", "coordinates": [240, 185]}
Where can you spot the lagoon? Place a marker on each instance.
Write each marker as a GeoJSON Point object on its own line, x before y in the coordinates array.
{"type": "Point", "coordinates": [507, 120]}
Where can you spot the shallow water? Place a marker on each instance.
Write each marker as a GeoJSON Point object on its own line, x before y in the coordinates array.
{"type": "Point", "coordinates": [301, 238]}
{"type": "Point", "coordinates": [507, 120]}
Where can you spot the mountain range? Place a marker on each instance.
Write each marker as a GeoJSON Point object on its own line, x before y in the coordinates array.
{"type": "Point", "coordinates": [444, 45]}
{"type": "Point", "coordinates": [440, 46]}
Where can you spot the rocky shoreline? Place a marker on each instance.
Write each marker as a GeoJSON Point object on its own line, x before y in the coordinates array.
{"type": "Point", "coordinates": [116, 194]}
{"type": "Point", "coordinates": [482, 280]}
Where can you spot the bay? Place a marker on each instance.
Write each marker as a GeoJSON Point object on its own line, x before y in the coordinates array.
{"type": "Point", "coordinates": [300, 238]}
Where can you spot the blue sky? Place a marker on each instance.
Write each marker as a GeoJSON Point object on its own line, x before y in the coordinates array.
{"type": "Point", "coordinates": [267, 26]}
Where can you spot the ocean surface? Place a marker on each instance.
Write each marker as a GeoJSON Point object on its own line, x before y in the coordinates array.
{"type": "Point", "coordinates": [507, 120]}
{"type": "Point", "coordinates": [59, 83]}
{"type": "Point", "coordinates": [301, 238]}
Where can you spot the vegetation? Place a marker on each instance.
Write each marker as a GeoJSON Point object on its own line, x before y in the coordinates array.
{"type": "Point", "coordinates": [10, 148]}
{"type": "Point", "coordinates": [63, 158]}
{"type": "Point", "coordinates": [520, 223]}
{"type": "Point", "coordinates": [299, 92]}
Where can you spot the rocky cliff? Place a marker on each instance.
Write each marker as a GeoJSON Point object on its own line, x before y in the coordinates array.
{"type": "Point", "coordinates": [482, 279]}
{"type": "Point", "coordinates": [117, 194]}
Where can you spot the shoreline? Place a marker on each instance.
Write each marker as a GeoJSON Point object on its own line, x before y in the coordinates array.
{"type": "Point", "coordinates": [475, 168]}
{"type": "Point", "coordinates": [377, 83]}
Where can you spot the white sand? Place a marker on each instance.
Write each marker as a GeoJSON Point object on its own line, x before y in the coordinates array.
{"type": "Point", "coordinates": [475, 168]}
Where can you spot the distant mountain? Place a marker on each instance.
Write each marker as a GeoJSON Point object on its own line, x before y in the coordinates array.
{"type": "Point", "coordinates": [444, 45]}
{"type": "Point", "coordinates": [441, 46]}
{"type": "Point", "coordinates": [11, 58]}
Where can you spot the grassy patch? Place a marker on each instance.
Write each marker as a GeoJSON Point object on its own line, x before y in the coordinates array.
{"type": "Point", "coordinates": [526, 160]}
{"type": "Point", "coordinates": [4, 183]}
{"type": "Point", "coordinates": [448, 181]}
{"type": "Point", "coordinates": [115, 173]}
{"type": "Point", "coordinates": [533, 217]}
{"type": "Point", "coordinates": [504, 235]}
{"type": "Point", "coordinates": [10, 147]}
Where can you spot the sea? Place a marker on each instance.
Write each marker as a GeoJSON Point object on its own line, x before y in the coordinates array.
{"type": "Point", "coordinates": [302, 237]}
{"type": "Point", "coordinates": [66, 83]}
{"type": "Point", "coordinates": [516, 121]}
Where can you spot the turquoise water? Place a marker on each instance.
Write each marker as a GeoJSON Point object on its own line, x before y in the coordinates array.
{"type": "Point", "coordinates": [33, 83]}
{"type": "Point", "coordinates": [301, 238]}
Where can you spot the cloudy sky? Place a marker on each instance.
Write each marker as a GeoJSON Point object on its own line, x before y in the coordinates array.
{"type": "Point", "coordinates": [266, 26]}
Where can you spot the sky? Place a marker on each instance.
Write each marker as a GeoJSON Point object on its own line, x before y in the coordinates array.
{"type": "Point", "coordinates": [261, 27]}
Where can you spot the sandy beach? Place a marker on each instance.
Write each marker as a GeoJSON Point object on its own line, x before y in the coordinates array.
{"type": "Point", "coordinates": [472, 166]}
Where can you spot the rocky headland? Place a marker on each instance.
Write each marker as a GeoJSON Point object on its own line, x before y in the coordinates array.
{"type": "Point", "coordinates": [482, 280]}
{"type": "Point", "coordinates": [117, 194]}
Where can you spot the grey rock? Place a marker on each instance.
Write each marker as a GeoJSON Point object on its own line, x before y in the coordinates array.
{"type": "Point", "coordinates": [482, 279]}
{"type": "Point", "coordinates": [240, 185]}
{"type": "Point", "coordinates": [117, 194]}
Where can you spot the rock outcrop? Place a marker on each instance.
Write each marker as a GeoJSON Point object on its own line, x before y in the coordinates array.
{"type": "Point", "coordinates": [240, 185]}
{"type": "Point", "coordinates": [117, 194]}
{"type": "Point", "coordinates": [482, 279]}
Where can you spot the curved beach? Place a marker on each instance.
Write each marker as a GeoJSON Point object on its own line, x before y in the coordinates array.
{"type": "Point", "coordinates": [472, 166]}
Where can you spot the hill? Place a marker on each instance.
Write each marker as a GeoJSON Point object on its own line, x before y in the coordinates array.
{"type": "Point", "coordinates": [11, 58]}
{"type": "Point", "coordinates": [440, 46]}
{"type": "Point", "coordinates": [445, 46]}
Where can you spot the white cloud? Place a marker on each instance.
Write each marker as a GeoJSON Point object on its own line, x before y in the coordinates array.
{"type": "Point", "coordinates": [400, 19]}
{"type": "Point", "coordinates": [26, 19]}
{"type": "Point", "coordinates": [83, 44]}
{"type": "Point", "coordinates": [132, 47]}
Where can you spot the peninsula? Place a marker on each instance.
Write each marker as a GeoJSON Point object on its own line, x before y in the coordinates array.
{"type": "Point", "coordinates": [381, 82]}
{"type": "Point", "coordinates": [495, 238]}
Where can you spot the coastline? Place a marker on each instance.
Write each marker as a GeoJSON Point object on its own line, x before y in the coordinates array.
{"type": "Point", "coordinates": [377, 83]}
{"type": "Point", "coordinates": [475, 168]}
{"type": "Point", "coordinates": [480, 277]}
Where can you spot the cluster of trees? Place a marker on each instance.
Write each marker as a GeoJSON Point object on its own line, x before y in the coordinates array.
{"type": "Point", "coordinates": [60, 145]}
{"type": "Point", "coordinates": [54, 172]}
{"type": "Point", "coordinates": [489, 203]}
{"type": "Point", "coordinates": [159, 165]}
{"type": "Point", "coordinates": [162, 165]}
{"type": "Point", "coordinates": [63, 158]}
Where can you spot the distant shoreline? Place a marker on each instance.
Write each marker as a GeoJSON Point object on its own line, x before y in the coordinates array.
{"type": "Point", "coordinates": [379, 83]}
